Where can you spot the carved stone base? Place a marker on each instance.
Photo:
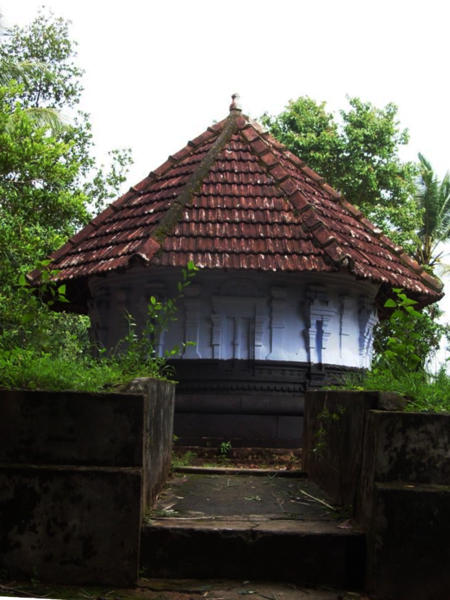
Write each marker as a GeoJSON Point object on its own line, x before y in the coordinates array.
{"type": "Point", "coordinates": [250, 403]}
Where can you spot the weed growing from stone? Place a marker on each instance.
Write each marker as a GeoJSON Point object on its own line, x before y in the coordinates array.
{"type": "Point", "coordinates": [225, 448]}
{"type": "Point", "coordinates": [185, 460]}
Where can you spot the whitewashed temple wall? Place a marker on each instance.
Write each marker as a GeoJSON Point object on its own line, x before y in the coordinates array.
{"type": "Point", "coordinates": [263, 316]}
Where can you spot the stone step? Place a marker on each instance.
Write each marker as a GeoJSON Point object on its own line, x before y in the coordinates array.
{"type": "Point", "coordinates": [315, 553]}
{"type": "Point", "coordinates": [251, 527]}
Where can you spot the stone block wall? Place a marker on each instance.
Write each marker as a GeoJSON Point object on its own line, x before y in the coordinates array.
{"type": "Point", "coordinates": [76, 472]}
{"type": "Point", "coordinates": [393, 467]}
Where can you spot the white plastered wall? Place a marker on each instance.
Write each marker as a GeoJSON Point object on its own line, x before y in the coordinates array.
{"type": "Point", "coordinates": [324, 319]}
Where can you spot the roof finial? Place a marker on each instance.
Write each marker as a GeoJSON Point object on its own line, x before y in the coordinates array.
{"type": "Point", "coordinates": [235, 105]}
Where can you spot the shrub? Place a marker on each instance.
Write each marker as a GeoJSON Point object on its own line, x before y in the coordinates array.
{"type": "Point", "coordinates": [30, 357]}
{"type": "Point", "coordinates": [400, 364]}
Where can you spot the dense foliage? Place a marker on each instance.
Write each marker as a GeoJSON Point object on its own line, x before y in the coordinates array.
{"type": "Point", "coordinates": [51, 79]}
{"type": "Point", "coordinates": [46, 362]}
{"type": "Point", "coordinates": [358, 155]}
{"type": "Point", "coordinates": [40, 201]}
{"type": "Point", "coordinates": [50, 184]}
{"type": "Point", "coordinates": [400, 363]}
{"type": "Point", "coordinates": [51, 173]}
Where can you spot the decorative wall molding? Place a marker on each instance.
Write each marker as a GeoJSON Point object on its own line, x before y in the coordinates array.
{"type": "Point", "coordinates": [238, 326]}
{"type": "Point", "coordinates": [234, 377]}
{"type": "Point", "coordinates": [239, 286]}
{"type": "Point", "coordinates": [240, 316]}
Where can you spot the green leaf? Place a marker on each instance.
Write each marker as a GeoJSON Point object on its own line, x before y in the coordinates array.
{"type": "Point", "coordinates": [390, 303]}
{"type": "Point", "coordinates": [43, 263]}
{"type": "Point", "coordinates": [408, 302]}
{"type": "Point", "coordinates": [398, 314]}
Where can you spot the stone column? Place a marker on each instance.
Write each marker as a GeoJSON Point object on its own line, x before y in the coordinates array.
{"type": "Point", "coordinates": [192, 325]}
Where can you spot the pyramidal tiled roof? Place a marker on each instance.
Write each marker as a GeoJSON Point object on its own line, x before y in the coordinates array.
{"type": "Point", "coordinates": [235, 198]}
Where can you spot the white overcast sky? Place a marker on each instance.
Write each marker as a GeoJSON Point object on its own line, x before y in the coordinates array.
{"type": "Point", "coordinates": [158, 73]}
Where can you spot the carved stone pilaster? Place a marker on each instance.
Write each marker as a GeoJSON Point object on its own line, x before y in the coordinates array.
{"type": "Point", "coordinates": [192, 322]}
{"type": "Point", "coordinates": [258, 335]}
{"type": "Point", "coordinates": [238, 326]}
{"type": "Point", "coordinates": [319, 314]}
{"type": "Point", "coordinates": [216, 334]}
{"type": "Point", "coordinates": [277, 322]}
{"type": "Point", "coordinates": [159, 292]}
{"type": "Point", "coordinates": [99, 315]}
{"type": "Point", "coordinates": [122, 302]}
{"type": "Point", "coordinates": [367, 319]}
{"type": "Point", "coordinates": [346, 304]}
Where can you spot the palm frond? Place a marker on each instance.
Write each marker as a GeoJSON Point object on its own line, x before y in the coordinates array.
{"type": "Point", "coordinates": [48, 117]}
{"type": "Point", "coordinates": [442, 270]}
{"type": "Point", "coordinates": [22, 72]}
{"type": "Point", "coordinates": [42, 117]}
{"type": "Point", "coordinates": [443, 228]}
{"type": "Point", "coordinates": [427, 196]}
{"type": "Point", "coordinates": [433, 197]}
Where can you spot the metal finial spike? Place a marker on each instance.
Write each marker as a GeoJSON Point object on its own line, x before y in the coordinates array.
{"type": "Point", "coordinates": [235, 105]}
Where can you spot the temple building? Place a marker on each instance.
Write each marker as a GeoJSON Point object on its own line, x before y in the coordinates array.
{"type": "Point", "coordinates": [291, 280]}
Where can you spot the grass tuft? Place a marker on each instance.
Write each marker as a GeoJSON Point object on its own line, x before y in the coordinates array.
{"type": "Point", "coordinates": [425, 392]}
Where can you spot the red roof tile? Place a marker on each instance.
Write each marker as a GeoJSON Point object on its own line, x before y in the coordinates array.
{"type": "Point", "coordinates": [235, 198]}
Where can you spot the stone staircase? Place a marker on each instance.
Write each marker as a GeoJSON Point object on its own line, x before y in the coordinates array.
{"type": "Point", "coordinates": [251, 526]}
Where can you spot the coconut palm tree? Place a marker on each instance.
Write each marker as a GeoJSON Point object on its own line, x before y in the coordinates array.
{"type": "Point", "coordinates": [433, 196]}
{"type": "Point", "coordinates": [22, 72]}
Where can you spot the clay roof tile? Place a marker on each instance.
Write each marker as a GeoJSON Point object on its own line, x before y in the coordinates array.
{"type": "Point", "coordinates": [235, 198]}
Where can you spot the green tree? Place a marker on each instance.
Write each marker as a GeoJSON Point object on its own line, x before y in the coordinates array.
{"type": "Point", "coordinates": [357, 154]}
{"type": "Point", "coordinates": [433, 197]}
{"type": "Point", "coordinates": [44, 43]}
{"type": "Point", "coordinates": [52, 83]}
{"type": "Point", "coordinates": [408, 339]}
{"type": "Point", "coordinates": [50, 184]}
{"type": "Point", "coordinates": [41, 203]}
{"type": "Point", "coordinates": [11, 70]}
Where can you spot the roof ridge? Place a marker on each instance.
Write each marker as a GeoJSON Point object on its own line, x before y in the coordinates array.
{"type": "Point", "coordinates": [170, 218]}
